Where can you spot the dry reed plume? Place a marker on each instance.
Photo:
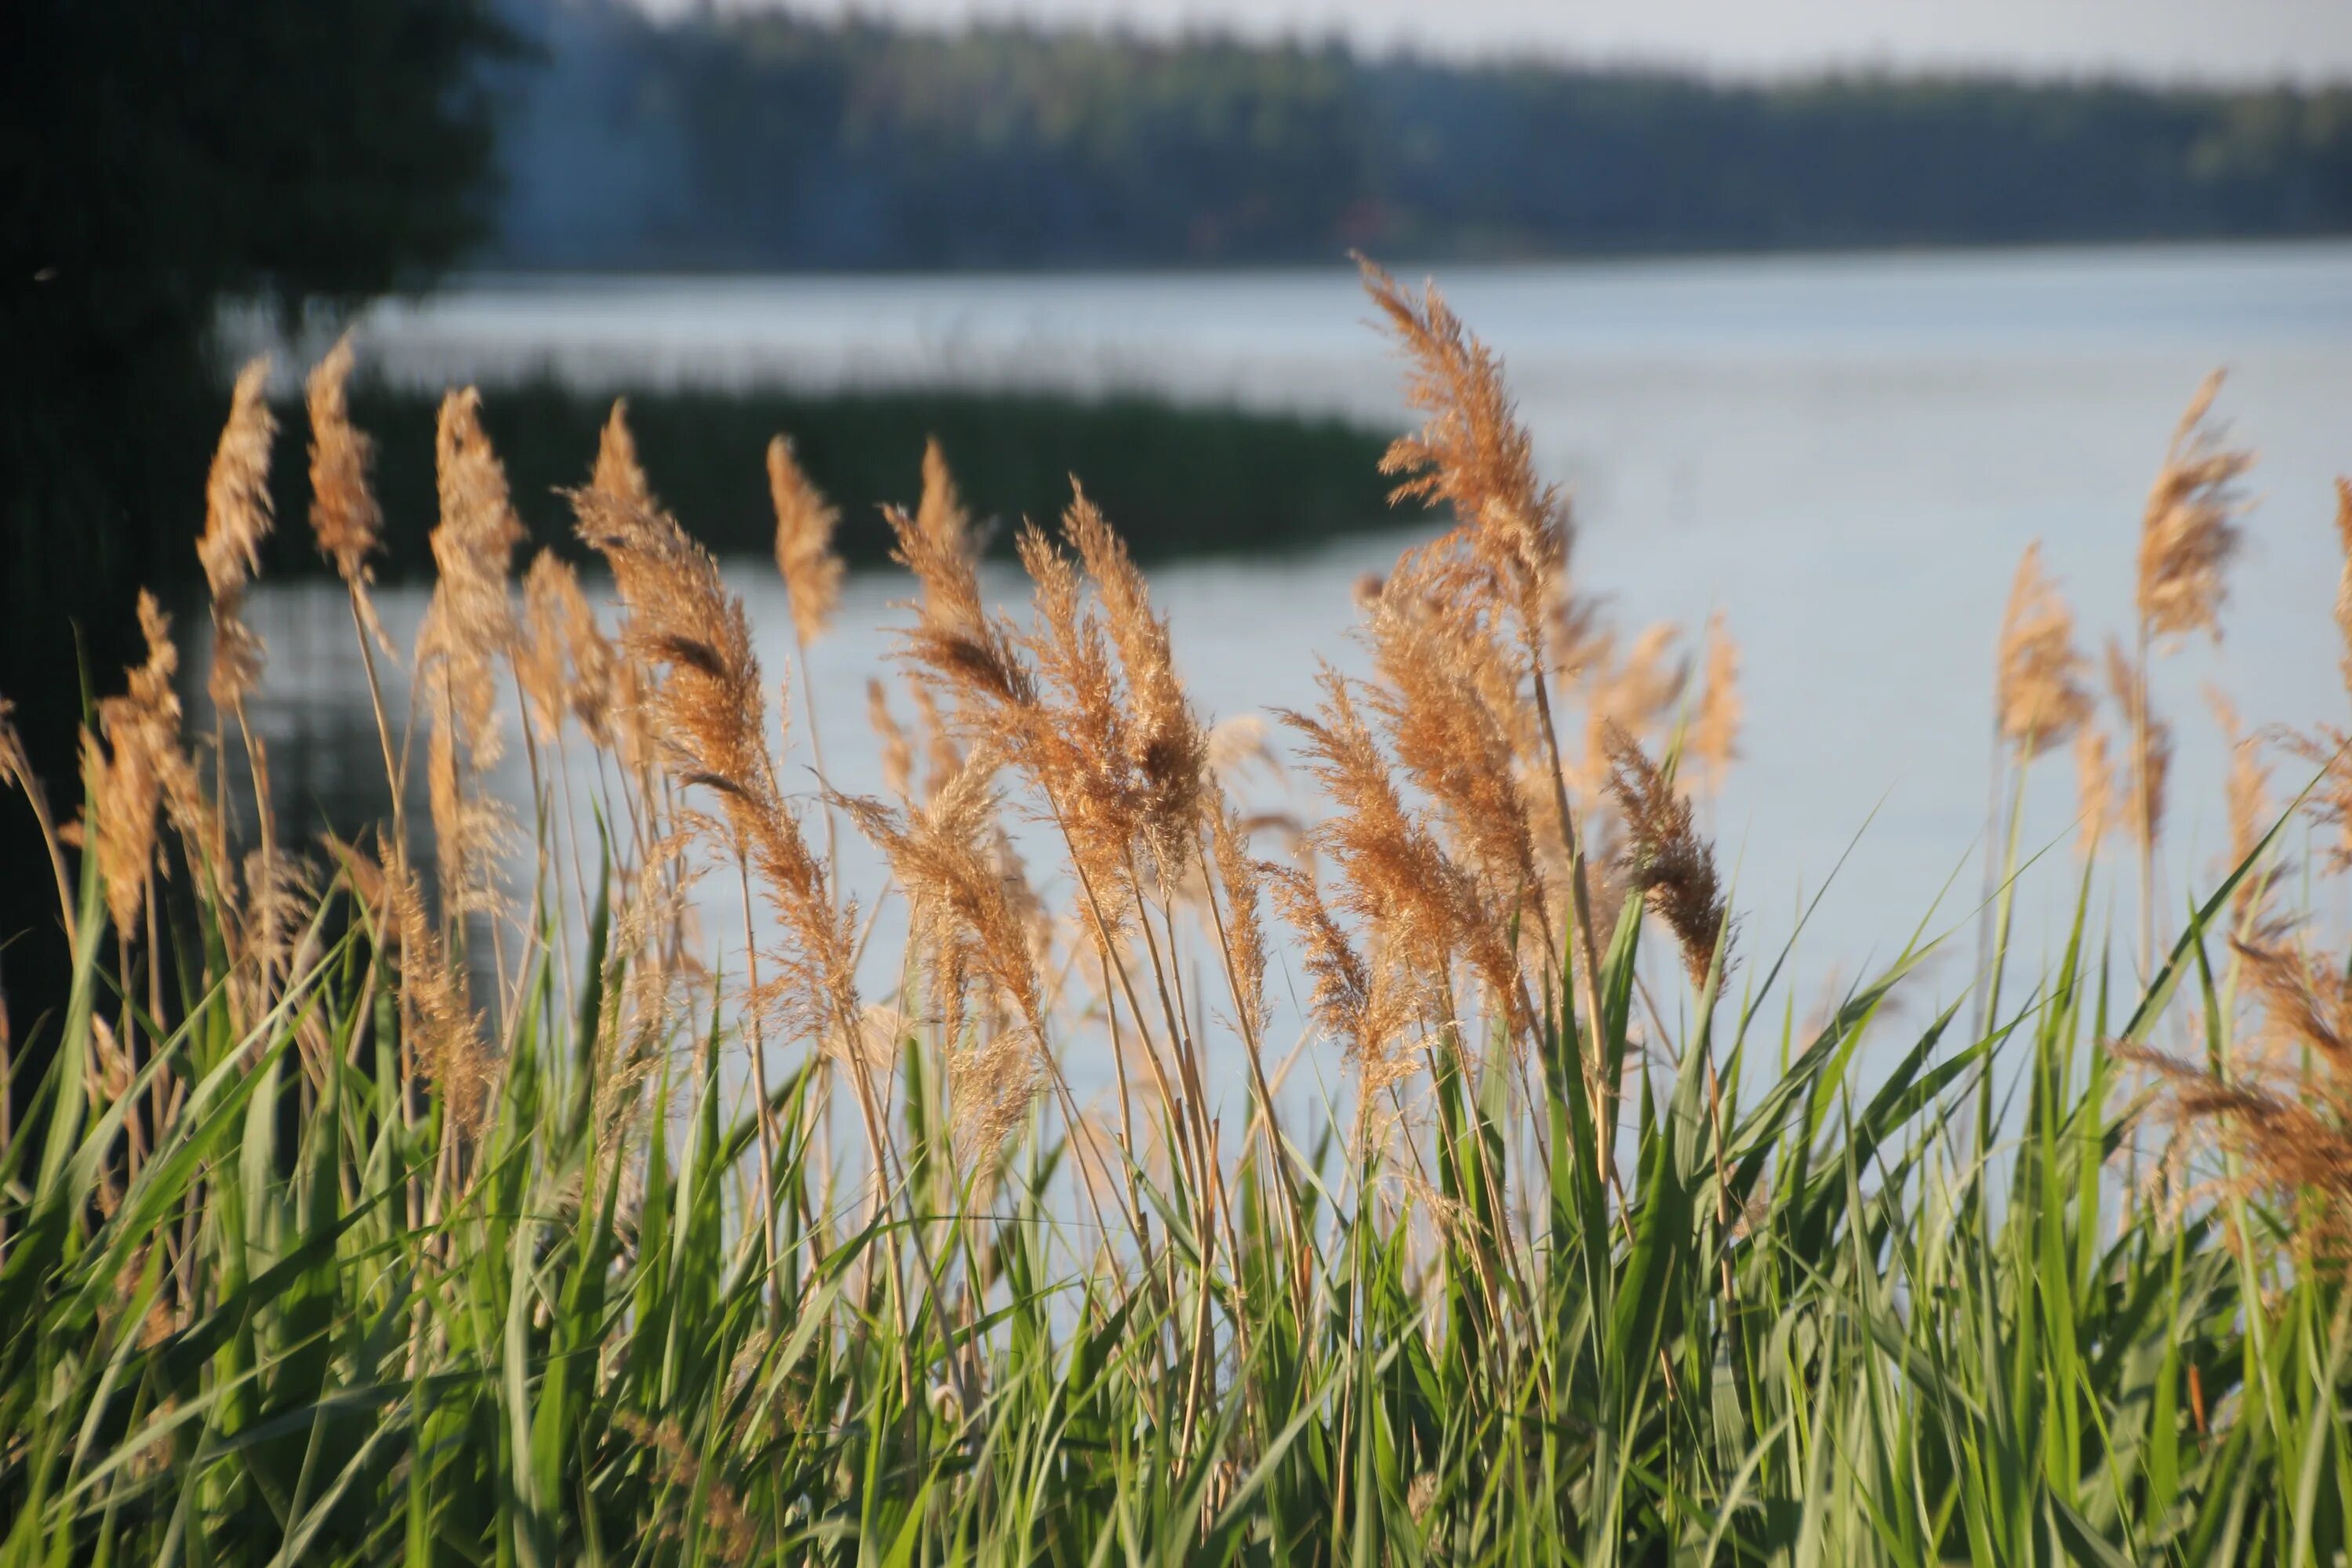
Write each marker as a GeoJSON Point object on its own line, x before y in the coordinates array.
{"type": "Point", "coordinates": [2328, 747]}
{"type": "Point", "coordinates": [1666, 863]}
{"type": "Point", "coordinates": [1715, 731]}
{"type": "Point", "coordinates": [139, 767]}
{"type": "Point", "coordinates": [345, 515]}
{"type": "Point", "coordinates": [709, 713]}
{"type": "Point", "coordinates": [966, 916]}
{"type": "Point", "coordinates": [2040, 694]}
{"type": "Point", "coordinates": [2189, 530]}
{"type": "Point", "coordinates": [2150, 758]}
{"type": "Point", "coordinates": [469, 629]}
{"type": "Point", "coordinates": [2280, 1111]}
{"type": "Point", "coordinates": [805, 525]}
{"type": "Point", "coordinates": [237, 518]}
{"type": "Point", "coordinates": [1473, 454]}
{"type": "Point", "coordinates": [2099, 803]}
{"type": "Point", "coordinates": [617, 472]}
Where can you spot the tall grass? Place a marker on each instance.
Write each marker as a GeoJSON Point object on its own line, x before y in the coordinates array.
{"type": "Point", "coordinates": [359, 1214]}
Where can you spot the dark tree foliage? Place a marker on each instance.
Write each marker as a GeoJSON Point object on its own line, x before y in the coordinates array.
{"type": "Point", "coordinates": [155, 157]}
{"type": "Point", "coordinates": [753, 138]}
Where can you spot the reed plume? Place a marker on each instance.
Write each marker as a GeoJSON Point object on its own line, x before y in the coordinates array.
{"type": "Point", "coordinates": [2246, 792]}
{"type": "Point", "coordinates": [1635, 692]}
{"type": "Point", "coordinates": [709, 713]}
{"type": "Point", "coordinates": [2283, 1110]}
{"type": "Point", "coordinates": [944, 857]}
{"type": "Point", "coordinates": [237, 518]}
{"type": "Point", "coordinates": [438, 1008]}
{"type": "Point", "coordinates": [470, 620]}
{"type": "Point", "coordinates": [2189, 531]}
{"type": "Point", "coordinates": [2151, 756]}
{"type": "Point", "coordinates": [1474, 455]}
{"type": "Point", "coordinates": [1366, 1006]}
{"type": "Point", "coordinates": [954, 638]}
{"type": "Point", "coordinates": [1238, 743]}
{"type": "Point", "coordinates": [1075, 737]}
{"type": "Point", "coordinates": [2099, 805]}
{"type": "Point", "coordinates": [2039, 694]}
{"type": "Point", "coordinates": [1666, 861]}
{"type": "Point", "coordinates": [617, 472]}
{"type": "Point", "coordinates": [897, 753]}
{"type": "Point", "coordinates": [1454, 745]}
{"type": "Point", "coordinates": [1400, 881]}
{"type": "Point", "coordinates": [601, 688]}
{"type": "Point", "coordinates": [936, 544]}
{"type": "Point", "coordinates": [140, 765]}
{"type": "Point", "coordinates": [942, 755]}
{"type": "Point", "coordinates": [804, 554]}
{"type": "Point", "coordinates": [1714, 729]}
{"type": "Point", "coordinates": [1244, 929]}
{"type": "Point", "coordinates": [345, 515]}
{"type": "Point", "coordinates": [2328, 747]}
{"type": "Point", "coordinates": [1168, 748]}
{"type": "Point", "coordinates": [469, 625]}
{"type": "Point", "coordinates": [542, 653]}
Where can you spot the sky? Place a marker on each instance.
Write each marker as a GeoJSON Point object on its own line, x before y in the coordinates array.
{"type": "Point", "coordinates": [2215, 40]}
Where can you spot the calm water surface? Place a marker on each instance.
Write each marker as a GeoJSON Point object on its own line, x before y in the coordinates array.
{"type": "Point", "coordinates": [1844, 455]}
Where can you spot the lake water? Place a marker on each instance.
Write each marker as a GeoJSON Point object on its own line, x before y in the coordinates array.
{"type": "Point", "coordinates": [1845, 455]}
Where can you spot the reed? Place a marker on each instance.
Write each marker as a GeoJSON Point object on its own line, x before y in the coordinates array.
{"type": "Point", "coordinates": [445, 1195]}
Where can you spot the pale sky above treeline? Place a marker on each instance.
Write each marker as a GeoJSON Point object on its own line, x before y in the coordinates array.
{"type": "Point", "coordinates": [2165, 40]}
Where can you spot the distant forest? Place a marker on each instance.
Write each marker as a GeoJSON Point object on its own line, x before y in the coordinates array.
{"type": "Point", "coordinates": [728, 140]}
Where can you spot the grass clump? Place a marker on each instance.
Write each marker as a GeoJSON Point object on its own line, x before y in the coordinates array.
{"type": "Point", "coordinates": [507, 1219]}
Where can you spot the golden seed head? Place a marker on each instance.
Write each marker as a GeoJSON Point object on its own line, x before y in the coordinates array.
{"type": "Point", "coordinates": [804, 554]}
{"type": "Point", "coordinates": [2189, 530]}
{"type": "Point", "coordinates": [2039, 695]}
{"type": "Point", "coordinates": [345, 515]}
{"type": "Point", "coordinates": [1715, 731]}
{"type": "Point", "coordinates": [1666, 861]}
{"type": "Point", "coordinates": [237, 518]}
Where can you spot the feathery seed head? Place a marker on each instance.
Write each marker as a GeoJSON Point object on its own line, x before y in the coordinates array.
{"type": "Point", "coordinates": [805, 525]}
{"type": "Point", "coordinates": [441, 1017]}
{"type": "Point", "coordinates": [2284, 1113]}
{"type": "Point", "coordinates": [2246, 789]}
{"type": "Point", "coordinates": [709, 713]}
{"type": "Point", "coordinates": [897, 754]}
{"type": "Point", "coordinates": [470, 620]}
{"type": "Point", "coordinates": [237, 518]}
{"type": "Point", "coordinates": [1169, 747]}
{"type": "Point", "coordinates": [2099, 805]}
{"type": "Point", "coordinates": [548, 588]}
{"type": "Point", "coordinates": [1474, 455]}
{"type": "Point", "coordinates": [2039, 695]}
{"type": "Point", "coordinates": [2150, 753]}
{"type": "Point", "coordinates": [1666, 861]}
{"type": "Point", "coordinates": [617, 473]}
{"type": "Point", "coordinates": [139, 768]}
{"type": "Point", "coordinates": [2189, 530]}
{"type": "Point", "coordinates": [345, 515]}
{"type": "Point", "coordinates": [1715, 732]}
{"type": "Point", "coordinates": [1245, 928]}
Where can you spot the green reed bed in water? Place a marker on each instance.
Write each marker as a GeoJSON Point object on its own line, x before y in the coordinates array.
{"type": "Point", "coordinates": [369, 1206]}
{"type": "Point", "coordinates": [1181, 480]}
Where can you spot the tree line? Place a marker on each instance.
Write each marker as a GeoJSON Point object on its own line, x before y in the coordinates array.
{"type": "Point", "coordinates": [726, 139]}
